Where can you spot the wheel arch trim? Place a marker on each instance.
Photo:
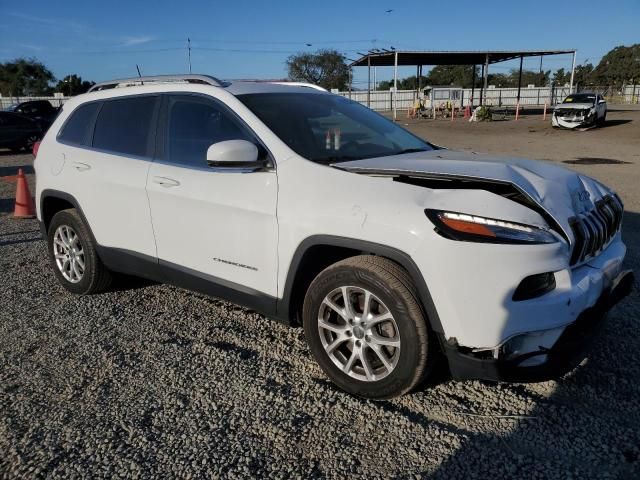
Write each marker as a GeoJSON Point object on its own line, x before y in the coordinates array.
{"type": "Point", "coordinates": [398, 256]}
{"type": "Point", "coordinates": [50, 193]}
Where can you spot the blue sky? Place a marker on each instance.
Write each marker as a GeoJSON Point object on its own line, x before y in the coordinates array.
{"type": "Point", "coordinates": [252, 39]}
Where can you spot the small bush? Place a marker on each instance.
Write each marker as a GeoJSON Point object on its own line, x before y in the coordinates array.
{"type": "Point", "coordinates": [483, 114]}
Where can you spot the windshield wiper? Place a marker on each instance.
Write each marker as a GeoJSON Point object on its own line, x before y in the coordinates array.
{"type": "Point", "coordinates": [330, 160]}
{"type": "Point", "coordinates": [410, 150]}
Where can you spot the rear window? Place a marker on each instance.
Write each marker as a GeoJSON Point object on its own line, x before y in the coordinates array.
{"type": "Point", "coordinates": [124, 126]}
{"type": "Point", "coordinates": [76, 130]}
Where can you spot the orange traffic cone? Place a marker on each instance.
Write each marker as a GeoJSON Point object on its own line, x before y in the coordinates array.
{"type": "Point", "coordinates": [24, 202]}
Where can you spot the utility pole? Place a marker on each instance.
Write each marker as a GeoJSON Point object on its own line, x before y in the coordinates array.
{"type": "Point", "coordinates": [573, 70]}
{"type": "Point", "coordinates": [189, 50]}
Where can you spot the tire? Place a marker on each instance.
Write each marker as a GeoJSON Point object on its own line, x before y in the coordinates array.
{"type": "Point", "coordinates": [603, 120]}
{"type": "Point", "coordinates": [93, 277]}
{"type": "Point", "coordinates": [390, 291]}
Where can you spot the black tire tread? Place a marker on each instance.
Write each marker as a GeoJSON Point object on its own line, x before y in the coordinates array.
{"type": "Point", "coordinates": [399, 281]}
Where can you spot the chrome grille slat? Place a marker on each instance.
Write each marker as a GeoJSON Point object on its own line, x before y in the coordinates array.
{"type": "Point", "coordinates": [594, 230]}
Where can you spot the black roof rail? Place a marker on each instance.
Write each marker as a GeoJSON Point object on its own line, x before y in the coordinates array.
{"type": "Point", "coordinates": [188, 78]}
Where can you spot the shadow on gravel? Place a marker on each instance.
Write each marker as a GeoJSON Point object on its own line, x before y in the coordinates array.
{"type": "Point", "coordinates": [13, 234]}
{"type": "Point", "coordinates": [13, 170]}
{"type": "Point", "coordinates": [6, 243]}
{"type": "Point", "coordinates": [123, 283]}
{"type": "Point", "coordinates": [589, 427]}
{"type": "Point", "coordinates": [7, 205]}
{"type": "Point", "coordinates": [615, 123]}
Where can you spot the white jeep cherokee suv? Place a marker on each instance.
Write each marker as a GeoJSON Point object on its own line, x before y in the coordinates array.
{"type": "Point", "coordinates": [312, 209]}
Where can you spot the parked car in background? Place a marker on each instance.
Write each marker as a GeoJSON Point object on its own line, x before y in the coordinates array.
{"type": "Point", "coordinates": [580, 110]}
{"type": "Point", "coordinates": [18, 132]}
{"type": "Point", "coordinates": [39, 110]}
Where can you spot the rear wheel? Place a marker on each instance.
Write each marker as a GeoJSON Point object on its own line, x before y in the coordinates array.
{"type": "Point", "coordinates": [73, 255]}
{"type": "Point", "coordinates": [366, 329]}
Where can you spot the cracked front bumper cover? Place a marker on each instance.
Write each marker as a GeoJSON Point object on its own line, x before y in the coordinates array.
{"type": "Point", "coordinates": [568, 351]}
{"type": "Point", "coordinates": [572, 121]}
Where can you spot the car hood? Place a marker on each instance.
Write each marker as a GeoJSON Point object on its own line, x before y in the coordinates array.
{"type": "Point", "coordinates": [562, 193]}
{"type": "Point", "coordinates": [573, 106]}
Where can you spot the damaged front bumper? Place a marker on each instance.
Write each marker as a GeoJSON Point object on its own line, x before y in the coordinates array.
{"type": "Point", "coordinates": [572, 119]}
{"type": "Point", "coordinates": [543, 363]}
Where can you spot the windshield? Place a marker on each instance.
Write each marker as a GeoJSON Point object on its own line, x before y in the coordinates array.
{"type": "Point", "coordinates": [580, 98]}
{"type": "Point", "coordinates": [328, 128]}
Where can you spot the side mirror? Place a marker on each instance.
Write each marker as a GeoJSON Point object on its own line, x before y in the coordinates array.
{"type": "Point", "coordinates": [233, 153]}
{"type": "Point", "coordinates": [602, 101]}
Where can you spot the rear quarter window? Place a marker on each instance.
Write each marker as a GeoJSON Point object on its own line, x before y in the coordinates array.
{"type": "Point", "coordinates": [76, 130]}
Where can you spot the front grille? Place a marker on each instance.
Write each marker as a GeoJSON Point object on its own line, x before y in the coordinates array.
{"type": "Point", "coordinates": [569, 112]}
{"type": "Point", "coordinates": [594, 230]}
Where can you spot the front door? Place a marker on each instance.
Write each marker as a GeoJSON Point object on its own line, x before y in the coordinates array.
{"type": "Point", "coordinates": [213, 223]}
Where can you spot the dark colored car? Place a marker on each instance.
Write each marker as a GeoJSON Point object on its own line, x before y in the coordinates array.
{"type": "Point", "coordinates": [18, 131]}
{"type": "Point", "coordinates": [39, 110]}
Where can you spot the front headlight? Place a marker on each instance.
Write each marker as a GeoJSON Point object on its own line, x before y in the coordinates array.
{"type": "Point", "coordinates": [472, 228]}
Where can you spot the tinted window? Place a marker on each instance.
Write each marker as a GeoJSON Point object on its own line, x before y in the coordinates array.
{"type": "Point", "coordinates": [124, 126]}
{"type": "Point", "coordinates": [76, 130]}
{"type": "Point", "coordinates": [328, 128]}
{"type": "Point", "coordinates": [194, 125]}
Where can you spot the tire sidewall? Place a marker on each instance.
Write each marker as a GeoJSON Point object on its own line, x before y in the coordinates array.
{"type": "Point", "coordinates": [403, 374]}
{"type": "Point", "coordinates": [66, 217]}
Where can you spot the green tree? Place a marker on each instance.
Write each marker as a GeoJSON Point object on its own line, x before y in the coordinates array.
{"type": "Point", "coordinates": [326, 68]}
{"type": "Point", "coordinates": [619, 65]}
{"type": "Point", "coordinates": [583, 75]}
{"type": "Point", "coordinates": [560, 77]}
{"type": "Point", "coordinates": [73, 85]}
{"type": "Point", "coordinates": [455, 75]}
{"type": "Point", "coordinates": [409, 83]}
{"type": "Point", "coordinates": [25, 76]}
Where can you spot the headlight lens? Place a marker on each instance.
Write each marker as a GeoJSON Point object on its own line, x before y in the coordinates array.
{"type": "Point", "coordinates": [472, 228]}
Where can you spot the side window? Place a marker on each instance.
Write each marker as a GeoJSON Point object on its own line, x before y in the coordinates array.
{"type": "Point", "coordinates": [193, 125]}
{"type": "Point", "coordinates": [125, 125]}
{"type": "Point", "coordinates": [76, 129]}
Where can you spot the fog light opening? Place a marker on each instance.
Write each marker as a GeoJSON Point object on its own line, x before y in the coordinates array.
{"type": "Point", "coordinates": [535, 286]}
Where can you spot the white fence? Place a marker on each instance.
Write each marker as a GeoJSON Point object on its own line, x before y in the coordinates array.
{"type": "Point", "coordinates": [382, 100]}
{"type": "Point", "coordinates": [538, 96]}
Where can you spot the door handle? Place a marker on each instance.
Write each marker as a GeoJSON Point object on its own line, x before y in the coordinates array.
{"type": "Point", "coordinates": [166, 182]}
{"type": "Point", "coordinates": [81, 167]}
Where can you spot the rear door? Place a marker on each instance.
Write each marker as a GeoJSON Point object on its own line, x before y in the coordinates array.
{"type": "Point", "coordinates": [106, 169]}
{"type": "Point", "coordinates": [217, 223]}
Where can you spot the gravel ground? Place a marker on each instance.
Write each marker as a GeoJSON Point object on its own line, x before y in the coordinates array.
{"type": "Point", "coordinates": [150, 380]}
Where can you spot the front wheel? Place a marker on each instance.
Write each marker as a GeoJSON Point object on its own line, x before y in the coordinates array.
{"type": "Point", "coordinates": [602, 120]}
{"type": "Point", "coordinates": [365, 327]}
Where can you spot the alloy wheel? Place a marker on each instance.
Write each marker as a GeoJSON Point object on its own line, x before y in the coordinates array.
{"type": "Point", "coordinates": [68, 253]}
{"type": "Point", "coordinates": [358, 333]}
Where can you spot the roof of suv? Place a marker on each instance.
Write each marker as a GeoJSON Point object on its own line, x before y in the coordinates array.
{"type": "Point", "coordinates": [241, 88]}
{"type": "Point", "coordinates": [234, 87]}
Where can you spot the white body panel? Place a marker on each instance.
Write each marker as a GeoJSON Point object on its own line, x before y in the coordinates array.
{"type": "Point", "coordinates": [109, 187]}
{"type": "Point", "coordinates": [212, 221]}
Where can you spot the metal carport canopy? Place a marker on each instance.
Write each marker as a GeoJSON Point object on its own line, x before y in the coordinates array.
{"type": "Point", "coordinates": [408, 57]}
{"type": "Point", "coordinates": [399, 58]}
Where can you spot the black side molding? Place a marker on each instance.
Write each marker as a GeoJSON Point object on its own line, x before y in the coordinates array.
{"type": "Point", "coordinates": [133, 263]}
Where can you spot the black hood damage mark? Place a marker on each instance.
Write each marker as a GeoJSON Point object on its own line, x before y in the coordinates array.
{"type": "Point", "coordinates": [595, 161]}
